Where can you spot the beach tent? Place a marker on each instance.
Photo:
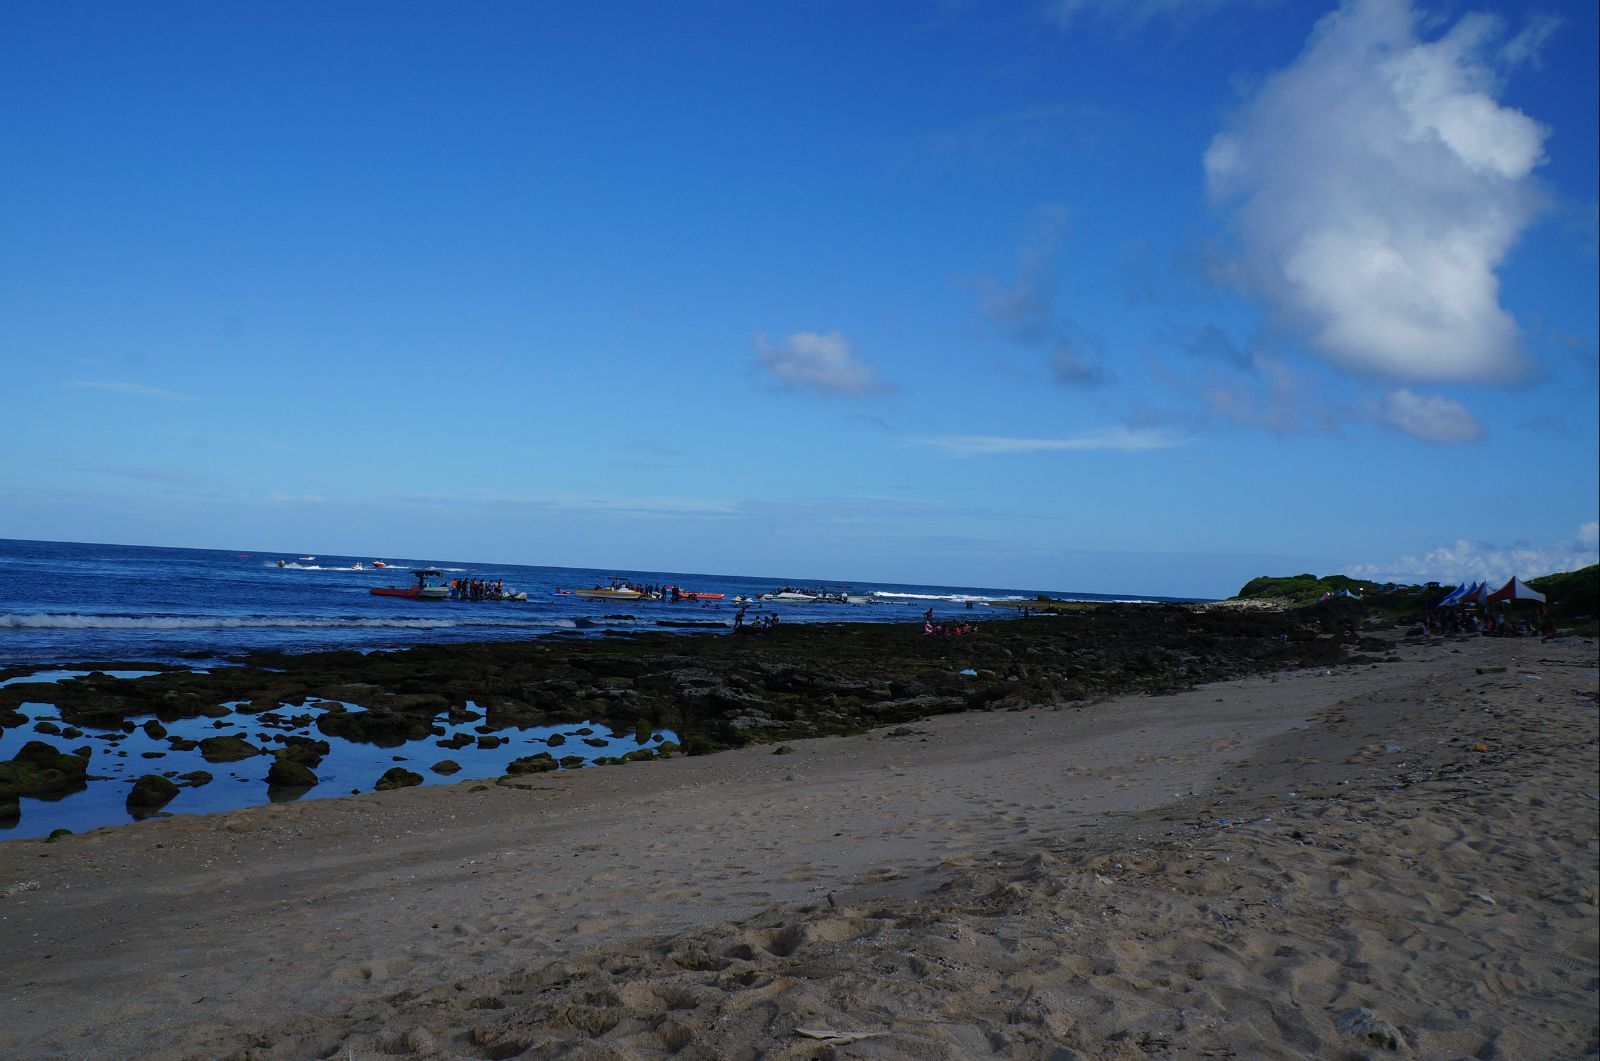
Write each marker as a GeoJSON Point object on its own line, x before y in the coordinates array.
{"type": "Point", "coordinates": [1463, 595]}
{"type": "Point", "coordinates": [1516, 589]}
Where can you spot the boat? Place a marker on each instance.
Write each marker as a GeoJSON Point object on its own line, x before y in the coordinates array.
{"type": "Point", "coordinates": [357, 567]}
{"type": "Point", "coordinates": [612, 593]}
{"type": "Point", "coordinates": [678, 593]}
{"type": "Point", "coordinates": [789, 597]}
{"type": "Point", "coordinates": [618, 590]}
{"type": "Point", "coordinates": [379, 563]}
{"type": "Point", "coordinates": [423, 590]}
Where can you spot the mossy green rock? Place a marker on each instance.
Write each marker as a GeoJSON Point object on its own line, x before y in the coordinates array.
{"type": "Point", "coordinates": [39, 769]}
{"type": "Point", "coordinates": [532, 764]}
{"type": "Point", "coordinates": [151, 792]}
{"type": "Point", "coordinates": [397, 777]}
{"type": "Point", "coordinates": [446, 766]}
{"type": "Point", "coordinates": [286, 773]}
{"type": "Point", "coordinates": [227, 749]}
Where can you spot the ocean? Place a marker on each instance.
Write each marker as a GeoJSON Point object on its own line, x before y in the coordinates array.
{"type": "Point", "coordinates": [63, 602]}
{"type": "Point", "coordinates": [103, 605]}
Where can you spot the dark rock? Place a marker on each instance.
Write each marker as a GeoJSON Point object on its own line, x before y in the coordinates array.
{"type": "Point", "coordinates": [227, 749]}
{"type": "Point", "coordinates": [195, 778]}
{"type": "Point", "coordinates": [182, 744]}
{"type": "Point", "coordinates": [572, 762]}
{"type": "Point", "coordinates": [376, 726]}
{"type": "Point", "coordinates": [306, 751]}
{"type": "Point", "coordinates": [397, 777]}
{"type": "Point", "coordinates": [446, 766]}
{"type": "Point", "coordinates": [151, 792]}
{"type": "Point", "coordinates": [286, 773]}
{"type": "Point", "coordinates": [532, 764]}
{"type": "Point", "coordinates": [595, 742]}
{"type": "Point", "coordinates": [39, 769]}
{"type": "Point", "coordinates": [490, 741]}
{"type": "Point", "coordinates": [44, 725]}
{"type": "Point", "coordinates": [154, 730]}
{"type": "Point", "coordinates": [555, 740]}
{"type": "Point", "coordinates": [460, 740]}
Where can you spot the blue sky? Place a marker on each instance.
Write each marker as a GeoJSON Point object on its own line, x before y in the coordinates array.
{"type": "Point", "coordinates": [1144, 297]}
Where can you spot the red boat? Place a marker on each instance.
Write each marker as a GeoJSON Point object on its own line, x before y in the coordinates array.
{"type": "Point", "coordinates": [423, 590]}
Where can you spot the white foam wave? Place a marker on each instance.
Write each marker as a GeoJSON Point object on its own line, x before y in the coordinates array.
{"type": "Point", "coordinates": [958, 598]}
{"type": "Point", "coordinates": [219, 622]}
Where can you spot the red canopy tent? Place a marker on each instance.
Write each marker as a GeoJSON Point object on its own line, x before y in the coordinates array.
{"type": "Point", "coordinates": [1516, 589]}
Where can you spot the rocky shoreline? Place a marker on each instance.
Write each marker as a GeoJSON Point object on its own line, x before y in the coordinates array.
{"type": "Point", "coordinates": [714, 692]}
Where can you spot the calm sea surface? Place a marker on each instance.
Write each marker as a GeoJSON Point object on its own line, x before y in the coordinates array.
{"type": "Point", "coordinates": [64, 603]}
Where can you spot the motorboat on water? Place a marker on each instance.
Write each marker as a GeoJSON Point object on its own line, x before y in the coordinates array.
{"type": "Point", "coordinates": [423, 590]}
{"type": "Point", "coordinates": [678, 593]}
{"type": "Point", "coordinates": [790, 597]}
{"type": "Point", "coordinates": [377, 563]}
{"type": "Point", "coordinates": [609, 593]}
{"type": "Point", "coordinates": [618, 590]}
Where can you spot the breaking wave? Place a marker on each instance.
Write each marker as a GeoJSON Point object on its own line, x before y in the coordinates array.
{"type": "Point", "coordinates": [259, 622]}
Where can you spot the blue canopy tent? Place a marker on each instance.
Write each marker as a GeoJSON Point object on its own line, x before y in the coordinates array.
{"type": "Point", "coordinates": [1464, 594]}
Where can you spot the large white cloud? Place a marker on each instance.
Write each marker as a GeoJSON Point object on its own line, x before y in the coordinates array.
{"type": "Point", "coordinates": [1466, 560]}
{"type": "Point", "coordinates": [1375, 185]}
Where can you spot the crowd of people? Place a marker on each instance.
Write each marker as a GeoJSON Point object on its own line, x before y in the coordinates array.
{"type": "Point", "coordinates": [1464, 621]}
{"type": "Point", "coordinates": [477, 589]}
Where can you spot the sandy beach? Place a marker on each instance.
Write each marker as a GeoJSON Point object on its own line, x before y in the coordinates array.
{"type": "Point", "coordinates": [1373, 858]}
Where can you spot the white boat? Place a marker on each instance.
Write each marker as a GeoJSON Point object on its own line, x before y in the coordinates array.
{"type": "Point", "coordinates": [618, 590]}
{"type": "Point", "coordinates": [789, 597]}
{"type": "Point", "coordinates": [599, 593]}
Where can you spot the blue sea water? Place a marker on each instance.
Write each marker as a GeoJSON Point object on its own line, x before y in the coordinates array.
{"type": "Point", "coordinates": [65, 602]}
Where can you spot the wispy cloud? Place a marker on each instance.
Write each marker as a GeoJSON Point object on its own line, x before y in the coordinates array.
{"type": "Point", "coordinates": [137, 390]}
{"type": "Point", "coordinates": [1123, 439]}
{"type": "Point", "coordinates": [1027, 314]}
{"type": "Point", "coordinates": [824, 364]}
{"type": "Point", "coordinates": [1375, 185]}
{"type": "Point", "coordinates": [1429, 418]}
{"type": "Point", "coordinates": [1463, 559]}
{"type": "Point", "coordinates": [283, 497]}
{"type": "Point", "coordinates": [630, 505]}
{"type": "Point", "coordinates": [1134, 14]}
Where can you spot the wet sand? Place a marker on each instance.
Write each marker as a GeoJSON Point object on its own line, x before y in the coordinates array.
{"type": "Point", "coordinates": [1310, 864]}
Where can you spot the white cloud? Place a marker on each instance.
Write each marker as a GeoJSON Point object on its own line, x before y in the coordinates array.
{"type": "Point", "coordinates": [993, 445]}
{"type": "Point", "coordinates": [1375, 185]}
{"type": "Point", "coordinates": [822, 364]}
{"type": "Point", "coordinates": [1463, 560]}
{"type": "Point", "coordinates": [1135, 13]}
{"type": "Point", "coordinates": [1432, 419]}
{"type": "Point", "coordinates": [137, 390]}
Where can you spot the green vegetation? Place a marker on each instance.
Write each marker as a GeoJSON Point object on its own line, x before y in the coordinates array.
{"type": "Point", "coordinates": [1573, 597]}
{"type": "Point", "coordinates": [1396, 601]}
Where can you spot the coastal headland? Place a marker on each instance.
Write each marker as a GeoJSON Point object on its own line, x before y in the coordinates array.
{"type": "Point", "coordinates": [1132, 831]}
